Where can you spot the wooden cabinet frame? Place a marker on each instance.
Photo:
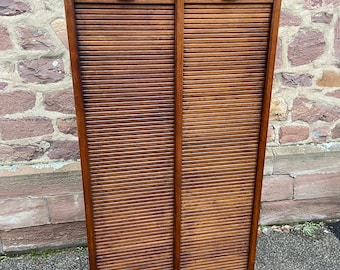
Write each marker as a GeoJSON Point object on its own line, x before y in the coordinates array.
{"type": "Point", "coordinates": [179, 22]}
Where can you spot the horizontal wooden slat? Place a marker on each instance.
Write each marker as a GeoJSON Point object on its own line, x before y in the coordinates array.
{"type": "Point", "coordinates": [223, 91]}
{"type": "Point", "coordinates": [126, 61]}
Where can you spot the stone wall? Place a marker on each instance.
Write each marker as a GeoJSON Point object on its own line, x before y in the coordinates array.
{"type": "Point", "coordinates": [39, 158]}
{"type": "Point", "coordinates": [303, 159]}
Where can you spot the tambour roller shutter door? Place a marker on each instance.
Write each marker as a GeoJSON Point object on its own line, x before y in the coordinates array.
{"type": "Point", "coordinates": [127, 68]}
{"type": "Point", "coordinates": [172, 101]}
{"type": "Point", "coordinates": [225, 53]}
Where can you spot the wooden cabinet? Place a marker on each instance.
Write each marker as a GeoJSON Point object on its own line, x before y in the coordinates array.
{"type": "Point", "coordinates": [172, 102]}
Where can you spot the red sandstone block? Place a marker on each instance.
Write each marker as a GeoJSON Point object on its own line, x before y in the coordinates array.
{"type": "Point", "coordinates": [337, 39]}
{"type": "Point", "coordinates": [67, 126]}
{"type": "Point", "coordinates": [12, 129]}
{"type": "Point", "coordinates": [305, 160]}
{"type": "Point", "coordinates": [5, 41]}
{"type": "Point", "coordinates": [336, 132]}
{"type": "Point", "coordinates": [60, 101]}
{"type": "Point", "coordinates": [317, 186]}
{"type": "Point", "coordinates": [66, 208]}
{"type": "Point", "coordinates": [11, 153]}
{"type": "Point", "coordinates": [40, 185]}
{"type": "Point", "coordinates": [289, 19]}
{"type": "Point", "coordinates": [293, 134]}
{"type": "Point", "coordinates": [277, 188]}
{"type": "Point", "coordinates": [23, 212]}
{"type": "Point", "coordinates": [31, 38]}
{"type": "Point", "coordinates": [12, 8]}
{"type": "Point", "coordinates": [42, 70]}
{"type": "Point", "coordinates": [278, 60]}
{"type": "Point", "coordinates": [64, 150]}
{"type": "Point", "coordinates": [296, 80]}
{"type": "Point", "coordinates": [312, 4]}
{"type": "Point", "coordinates": [44, 237]}
{"type": "Point", "coordinates": [16, 102]}
{"type": "Point", "coordinates": [298, 54]}
{"type": "Point", "coordinates": [311, 111]}
{"type": "Point", "coordinates": [282, 212]}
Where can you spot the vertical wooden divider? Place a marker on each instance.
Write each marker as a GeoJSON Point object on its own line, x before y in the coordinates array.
{"type": "Point", "coordinates": [179, 55]}
{"type": "Point", "coordinates": [264, 129]}
{"type": "Point", "coordinates": [83, 147]}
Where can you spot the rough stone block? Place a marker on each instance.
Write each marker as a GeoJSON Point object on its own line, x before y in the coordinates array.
{"type": "Point", "coordinates": [12, 129]}
{"type": "Point", "coordinates": [311, 111]}
{"type": "Point", "coordinates": [64, 150]}
{"type": "Point", "coordinates": [312, 4]}
{"type": "Point", "coordinates": [306, 159]}
{"type": "Point", "coordinates": [320, 134]}
{"type": "Point", "coordinates": [278, 59]}
{"type": "Point", "coordinates": [269, 162]}
{"type": "Point", "coordinates": [23, 212]}
{"type": "Point", "coordinates": [67, 126]}
{"type": "Point", "coordinates": [40, 185]}
{"type": "Point", "coordinates": [322, 17]}
{"type": "Point", "coordinates": [31, 38]}
{"type": "Point", "coordinates": [335, 94]}
{"type": "Point", "coordinates": [278, 109]}
{"type": "Point", "coordinates": [15, 102]}
{"type": "Point", "coordinates": [283, 212]}
{"type": "Point", "coordinates": [337, 39]}
{"type": "Point", "coordinates": [277, 188]}
{"type": "Point", "coordinates": [43, 70]}
{"type": "Point", "coordinates": [331, 3]}
{"type": "Point", "coordinates": [10, 153]}
{"type": "Point", "coordinates": [271, 134]}
{"type": "Point", "coordinates": [306, 47]}
{"type": "Point", "coordinates": [293, 134]}
{"type": "Point", "coordinates": [5, 41]}
{"type": "Point", "coordinates": [289, 19]}
{"type": "Point", "coordinates": [296, 80]}
{"type": "Point", "coordinates": [3, 85]}
{"type": "Point", "coordinates": [336, 132]}
{"type": "Point", "coordinates": [59, 28]}
{"type": "Point", "coordinates": [12, 7]}
{"type": "Point", "coordinates": [329, 79]}
{"type": "Point", "coordinates": [54, 236]}
{"type": "Point", "coordinates": [60, 101]}
{"type": "Point", "coordinates": [66, 208]}
{"type": "Point", "coordinates": [317, 186]}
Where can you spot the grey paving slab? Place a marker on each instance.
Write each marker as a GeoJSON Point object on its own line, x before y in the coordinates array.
{"type": "Point", "coordinates": [276, 251]}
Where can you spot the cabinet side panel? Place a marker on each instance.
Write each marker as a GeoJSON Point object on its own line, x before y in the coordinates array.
{"type": "Point", "coordinates": [126, 55]}
{"type": "Point", "coordinates": [225, 53]}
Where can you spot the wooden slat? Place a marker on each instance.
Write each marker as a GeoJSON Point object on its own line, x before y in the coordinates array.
{"type": "Point", "coordinates": [179, 58]}
{"type": "Point", "coordinates": [128, 97]}
{"type": "Point", "coordinates": [222, 103]}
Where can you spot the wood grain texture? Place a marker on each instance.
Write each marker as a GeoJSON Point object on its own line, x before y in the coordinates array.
{"type": "Point", "coordinates": [82, 135]}
{"type": "Point", "coordinates": [179, 57]}
{"type": "Point", "coordinates": [222, 102]}
{"type": "Point", "coordinates": [128, 96]}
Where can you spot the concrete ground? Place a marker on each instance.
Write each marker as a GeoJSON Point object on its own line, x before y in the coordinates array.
{"type": "Point", "coordinates": [276, 251]}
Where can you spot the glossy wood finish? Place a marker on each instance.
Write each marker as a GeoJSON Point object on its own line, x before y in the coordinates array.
{"type": "Point", "coordinates": [179, 57]}
{"type": "Point", "coordinates": [82, 134]}
{"type": "Point", "coordinates": [222, 104]}
{"type": "Point", "coordinates": [172, 105]}
{"type": "Point", "coordinates": [127, 71]}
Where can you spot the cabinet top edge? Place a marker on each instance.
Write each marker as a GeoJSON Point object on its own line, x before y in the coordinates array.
{"type": "Point", "coordinates": [173, 1]}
